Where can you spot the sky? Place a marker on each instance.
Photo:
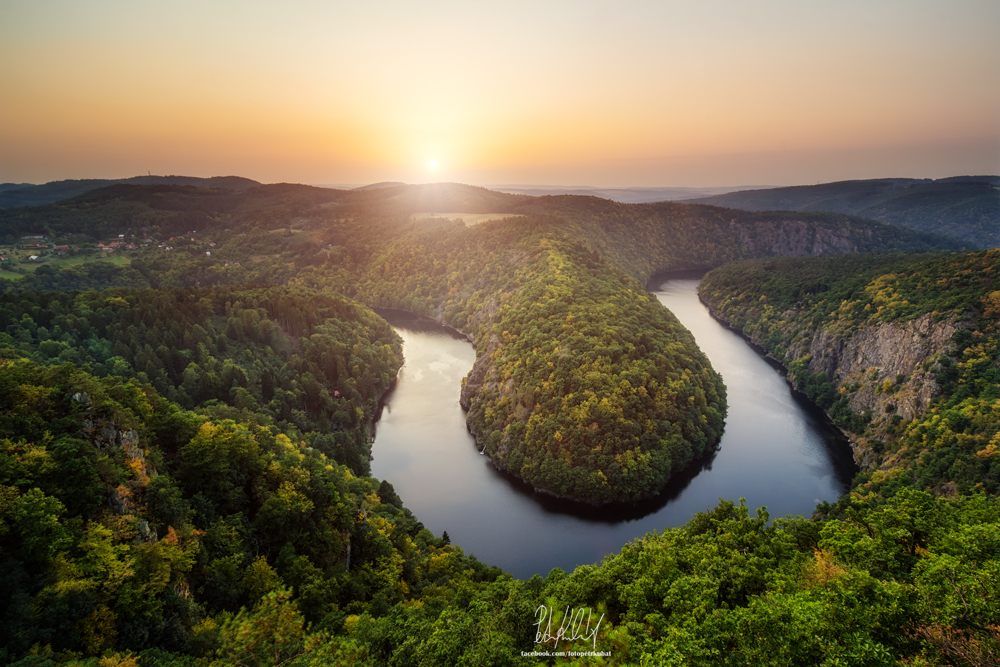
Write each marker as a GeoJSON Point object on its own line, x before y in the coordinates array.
{"type": "Point", "coordinates": [581, 92]}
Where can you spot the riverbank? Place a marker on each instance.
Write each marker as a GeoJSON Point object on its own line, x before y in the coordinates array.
{"type": "Point", "coordinates": [778, 365]}
{"type": "Point", "coordinates": [775, 452]}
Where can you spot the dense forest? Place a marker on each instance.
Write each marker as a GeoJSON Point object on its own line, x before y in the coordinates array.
{"type": "Point", "coordinates": [183, 457]}
{"type": "Point", "coordinates": [585, 387]}
{"type": "Point", "coordinates": [312, 364]}
{"type": "Point", "coordinates": [206, 516]}
{"type": "Point", "coordinates": [228, 544]}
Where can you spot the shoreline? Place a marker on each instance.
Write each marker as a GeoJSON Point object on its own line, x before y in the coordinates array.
{"type": "Point", "coordinates": [639, 507]}
{"type": "Point", "coordinates": [778, 365]}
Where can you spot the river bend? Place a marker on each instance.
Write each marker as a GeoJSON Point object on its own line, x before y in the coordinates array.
{"type": "Point", "coordinates": [776, 451]}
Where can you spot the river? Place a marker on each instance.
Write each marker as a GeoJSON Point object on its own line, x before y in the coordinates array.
{"type": "Point", "coordinates": [777, 451]}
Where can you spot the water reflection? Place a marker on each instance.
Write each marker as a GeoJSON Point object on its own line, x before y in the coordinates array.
{"type": "Point", "coordinates": [776, 451]}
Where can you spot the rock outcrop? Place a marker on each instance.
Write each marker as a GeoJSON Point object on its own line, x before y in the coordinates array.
{"type": "Point", "coordinates": [892, 353]}
{"type": "Point", "coordinates": [790, 238]}
{"type": "Point", "coordinates": [107, 436]}
{"type": "Point", "coordinates": [885, 371]}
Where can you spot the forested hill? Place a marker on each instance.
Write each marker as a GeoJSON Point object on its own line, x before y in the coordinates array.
{"type": "Point", "coordinates": [963, 207]}
{"type": "Point", "coordinates": [162, 210]}
{"type": "Point", "coordinates": [312, 365]}
{"type": "Point", "coordinates": [27, 194]}
{"type": "Point", "coordinates": [162, 502]}
{"type": "Point", "coordinates": [640, 238]}
{"type": "Point", "coordinates": [643, 239]}
{"type": "Point", "coordinates": [584, 385]}
{"type": "Point", "coordinates": [227, 544]}
{"type": "Point", "coordinates": [902, 351]}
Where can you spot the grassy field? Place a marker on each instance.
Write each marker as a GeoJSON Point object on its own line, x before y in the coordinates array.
{"type": "Point", "coordinates": [469, 219]}
{"type": "Point", "coordinates": [60, 262]}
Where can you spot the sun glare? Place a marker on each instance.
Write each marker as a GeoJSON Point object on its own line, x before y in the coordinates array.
{"type": "Point", "coordinates": [433, 164]}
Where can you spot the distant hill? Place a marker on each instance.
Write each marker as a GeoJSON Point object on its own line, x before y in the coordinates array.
{"type": "Point", "coordinates": [379, 186]}
{"type": "Point", "coordinates": [622, 195]}
{"type": "Point", "coordinates": [963, 207]}
{"type": "Point", "coordinates": [639, 238]}
{"type": "Point", "coordinates": [642, 239]}
{"type": "Point", "coordinates": [26, 194]}
{"type": "Point", "coordinates": [164, 209]}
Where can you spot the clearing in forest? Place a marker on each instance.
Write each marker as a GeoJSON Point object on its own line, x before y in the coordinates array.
{"type": "Point", "coordinates": [469, 219]}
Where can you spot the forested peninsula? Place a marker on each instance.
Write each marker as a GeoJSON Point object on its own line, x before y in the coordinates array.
{"type": "Point", "coordinates": [584, 386]}
{"type": "Point", "coordinates": [184, 456]}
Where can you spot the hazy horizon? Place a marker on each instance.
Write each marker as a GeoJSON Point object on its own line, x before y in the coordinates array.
{"type": "Point", "coordinates": [633, 94]}
{"type": "Point", "coordinates": [500, 186]}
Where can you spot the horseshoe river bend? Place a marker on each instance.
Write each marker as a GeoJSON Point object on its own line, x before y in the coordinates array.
{"type": "Point", "coordinates": [777, 451]}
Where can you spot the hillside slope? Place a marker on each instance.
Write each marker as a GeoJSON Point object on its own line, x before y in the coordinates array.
{"type": "Point", "coordinates": [27, 194]}
{"type": "Point", "coordinates": [584, 385]}
{"type": "Point", "coordinates": [903, 352]}
{"type": "Point", "coordinates": [643, 239]}
{"type": "Point", "coordinates": [963, 207]}
{"type": "Point", "coordinates": [134, 531]}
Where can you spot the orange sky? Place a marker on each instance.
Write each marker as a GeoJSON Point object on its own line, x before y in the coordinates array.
{"type": "Point", "coordinates": [589, 93]}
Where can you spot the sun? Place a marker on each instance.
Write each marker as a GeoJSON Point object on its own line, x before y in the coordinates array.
{"type": "Point", "coordinates": [432, 164]}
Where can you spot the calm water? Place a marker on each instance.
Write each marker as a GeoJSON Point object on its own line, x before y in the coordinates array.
{"type": "Point", "coordinates": [776, 452]}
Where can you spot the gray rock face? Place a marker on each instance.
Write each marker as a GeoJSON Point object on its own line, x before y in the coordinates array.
{"type": "Point", "coordinates": [792, 237]}
{"type": "Point", "coordinates": [82, 397]}
{"type": "Point", "coordinates": [877, 354]}
{"type": "Point", "coordinates": [884, 369]}
{"type": "Point", "coordinates": [107, 437]}
{"type": "Point", "coordinates": [120, 500]}
{"type": "Point", "coordinates": [146, 534]}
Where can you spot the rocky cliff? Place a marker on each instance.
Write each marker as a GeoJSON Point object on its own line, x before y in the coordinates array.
{"type": "Point", "coordinates": [108, 436]}
{"type": "Point", "coordinates": [884, 370]}
{"type": "Point", "coordinates": [902, 351]}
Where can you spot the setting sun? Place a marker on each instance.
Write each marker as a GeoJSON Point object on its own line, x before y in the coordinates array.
{"type": "Point", "coordinates": [577, 95]}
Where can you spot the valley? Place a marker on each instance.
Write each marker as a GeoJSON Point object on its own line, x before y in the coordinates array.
{"type": "Point", "coordinates": [188, 435]}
